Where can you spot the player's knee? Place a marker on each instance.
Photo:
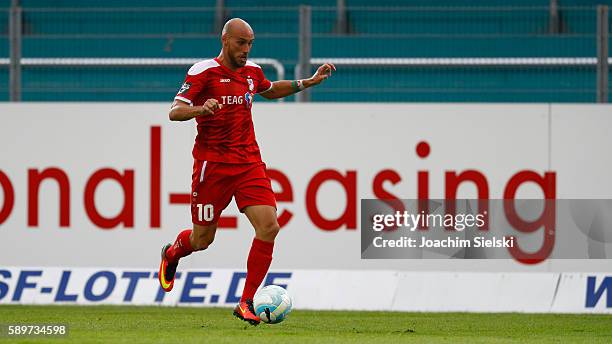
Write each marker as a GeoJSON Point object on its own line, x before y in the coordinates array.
{"type": "Point", "coordinates": [269, 230]}
{"type": "Point", "coordinates": [201, 241]}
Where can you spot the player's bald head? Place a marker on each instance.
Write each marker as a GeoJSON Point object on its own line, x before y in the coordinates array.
{"type": "Point", "coordinates": [237, 39]}
{"type": "Point", "coordinates": [237, 27]}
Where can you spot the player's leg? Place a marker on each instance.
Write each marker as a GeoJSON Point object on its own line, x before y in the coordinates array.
{"type": "Point", "coordinates": [256, 199]}
{"type": "Point", "coordinates": [186, 242]}
{"type": "Point", "coordinates": [263, 219]}
{"type": "Point", "coordinates": [190, 240]}
{"type": "Point", "coordinates": [202, 236]}
{"type": "Point", "coordinates": [209, 197]}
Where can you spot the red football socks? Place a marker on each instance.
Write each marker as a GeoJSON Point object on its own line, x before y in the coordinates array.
{"type": "Point", "coordinates": [181, 248]}
{"type": "Point", "coordinates": [258, 264]}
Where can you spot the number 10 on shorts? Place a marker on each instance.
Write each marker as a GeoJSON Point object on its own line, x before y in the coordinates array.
{"type": "Point", "coordinates": [206, 212]}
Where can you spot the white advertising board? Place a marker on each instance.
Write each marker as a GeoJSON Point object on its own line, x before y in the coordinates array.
{"type": "Point", "coordinates": [104, 184]}
{"type": "Point", "coordinates": [318, 289]}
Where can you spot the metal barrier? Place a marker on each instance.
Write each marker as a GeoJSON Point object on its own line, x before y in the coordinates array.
{"type": "Point", "coordinates": [131, 62]}
{"type": "Point", "coordinates": [460, 61]}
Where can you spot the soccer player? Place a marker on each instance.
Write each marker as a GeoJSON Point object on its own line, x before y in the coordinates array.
{"type": "Point", "coordinates": [219, 93]}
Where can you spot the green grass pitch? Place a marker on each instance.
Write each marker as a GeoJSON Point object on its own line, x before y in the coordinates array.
{"type": "Point", "coordinates": [124, 324]}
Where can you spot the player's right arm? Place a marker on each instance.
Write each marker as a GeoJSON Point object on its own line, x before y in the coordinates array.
{"type": "Point", "coordinates": [184, 106]}
{"type": "Point", "coordinates": [183, 111]}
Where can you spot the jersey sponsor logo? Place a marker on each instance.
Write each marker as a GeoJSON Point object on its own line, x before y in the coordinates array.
{"type": "Point", "coordinates": [247, 100]}
{"type": "Point", "coordinates": [185, 88]}
{"type": "Point", "coordinates": [224, 80]}
{"type": "Point", "coordinates": [232, 100]}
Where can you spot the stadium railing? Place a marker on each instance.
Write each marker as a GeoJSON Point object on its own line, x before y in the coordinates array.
{"type": "Point", "coordinates": [102, 63]}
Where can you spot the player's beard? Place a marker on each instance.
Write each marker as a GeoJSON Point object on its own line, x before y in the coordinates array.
{"type": "Point", "coordinates": [240, 61]}
{"type": "Point", "coordinates": [235, 60]}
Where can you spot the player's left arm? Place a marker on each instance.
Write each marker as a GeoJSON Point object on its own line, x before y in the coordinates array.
{"type": "Point", "coordinates": [284, 88]}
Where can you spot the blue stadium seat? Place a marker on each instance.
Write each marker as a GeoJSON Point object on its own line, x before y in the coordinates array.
{"type": "Point", "coordinates": [4, 51]}
{"type": "Point", "coordinates": [103, 22]}
{"type": "Point", "coordinates": [493, 28]}
{"type": "Point", "coordinates": [114, 3]}
{"type": "Point", "coordinates": [268, 21]}
{"type": "Point", "coordinates": [279, 48]}
{"type": "Point", "coordinates": [4, 82]}
{"type": "Point", "coordinates": [538, 46]}
{"type": "Point", "coordinates": [447, 21]}
{"type": "Point", "coordinates": [581, 20]}
{"type": "Point", "coordinates": [280, 3]}
{"type": "Point", "coordinates": [105, 84]}
{"type": "Point", "coordinates": [460, 85]}
{"type": "Point", "coordinates": [4, 23]}
{"type": "Point", "coordinates": [450, 3]}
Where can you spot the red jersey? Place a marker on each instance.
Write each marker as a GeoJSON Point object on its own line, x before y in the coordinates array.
{"type": "Point", "coordinates": [228, 135]}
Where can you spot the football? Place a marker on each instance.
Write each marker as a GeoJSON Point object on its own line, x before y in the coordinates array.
{"type": "Point", "coordinates": [272, 304]}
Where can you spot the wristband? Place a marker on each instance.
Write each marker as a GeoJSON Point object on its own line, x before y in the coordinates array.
{"type": "Point", "coordinates": [298, 85]}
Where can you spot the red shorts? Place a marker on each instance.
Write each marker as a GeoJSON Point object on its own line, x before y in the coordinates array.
{"type": "Point", "coordinates": [214, 183]}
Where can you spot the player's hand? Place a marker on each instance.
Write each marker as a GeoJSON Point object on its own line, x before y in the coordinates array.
{"type": "Point", "coordinates": [210, 106]}
{"type": "Point", "coordinates": [323, 72]}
